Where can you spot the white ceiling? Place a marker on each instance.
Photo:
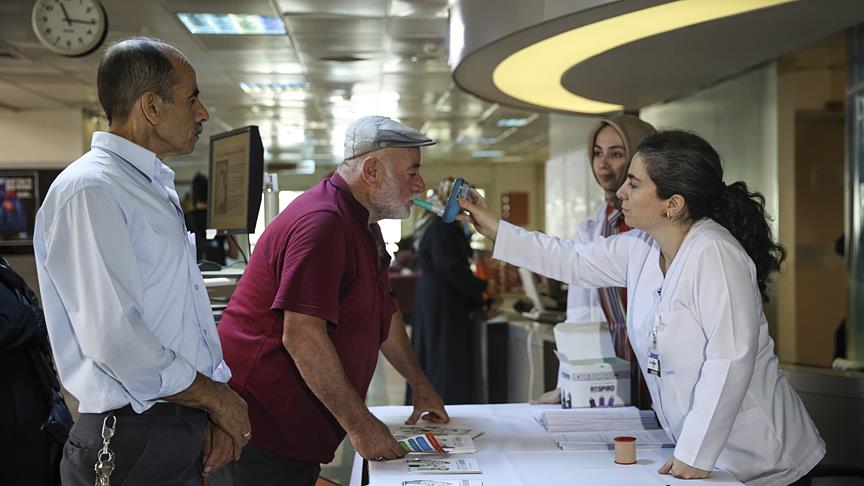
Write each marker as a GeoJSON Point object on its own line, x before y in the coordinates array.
{"type": "Point", "coordinates": [354, 58]}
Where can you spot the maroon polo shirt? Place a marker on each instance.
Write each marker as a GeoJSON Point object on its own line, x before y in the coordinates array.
{"type": "Point", "coordinates": [322, 258]}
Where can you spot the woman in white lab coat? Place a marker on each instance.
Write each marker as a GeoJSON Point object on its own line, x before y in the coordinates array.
{"type": "Point", "coordinates": [696, 269]}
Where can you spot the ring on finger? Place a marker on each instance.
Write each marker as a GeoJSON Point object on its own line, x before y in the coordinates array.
{"type": "Point", "coordinates": [379, 458]}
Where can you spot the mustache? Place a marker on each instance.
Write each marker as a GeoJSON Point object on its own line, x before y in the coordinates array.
{"type": "Point", "coordinates": [198, 129]}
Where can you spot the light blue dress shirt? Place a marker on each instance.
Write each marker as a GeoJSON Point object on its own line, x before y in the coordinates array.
{"type": "Point", "coordinates": [125, 304]}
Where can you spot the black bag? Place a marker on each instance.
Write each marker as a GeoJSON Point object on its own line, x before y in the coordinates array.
{"type": "Point", "coordinates": [59, 420]}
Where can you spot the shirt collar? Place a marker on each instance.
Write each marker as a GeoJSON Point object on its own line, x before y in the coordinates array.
{"type": "Point", "coordinates": [142, 159]}
{"type": "Point", "coordinates": [359, 210]}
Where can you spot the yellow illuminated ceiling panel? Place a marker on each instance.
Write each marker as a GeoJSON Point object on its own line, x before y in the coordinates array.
{"type": "Point", "coordinates": [533, 75]}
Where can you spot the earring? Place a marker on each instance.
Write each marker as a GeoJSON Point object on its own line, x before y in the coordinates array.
{"type": "Point", "coordinates": [669, 216]}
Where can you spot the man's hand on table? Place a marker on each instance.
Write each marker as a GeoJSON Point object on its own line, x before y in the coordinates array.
{"type": "Point", "coordinates": [373, 440]}
{"type": "Point", "coordinates": [681, 470]}
{"type": "Point", "coordinates": [428, 406]}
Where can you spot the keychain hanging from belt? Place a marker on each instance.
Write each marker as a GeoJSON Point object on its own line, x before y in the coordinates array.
{"type": "Point", "coordinates": [105, 459]}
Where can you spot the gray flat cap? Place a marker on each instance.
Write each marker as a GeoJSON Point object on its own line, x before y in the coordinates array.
{"type": "Point", "coordinates": [372, 133]}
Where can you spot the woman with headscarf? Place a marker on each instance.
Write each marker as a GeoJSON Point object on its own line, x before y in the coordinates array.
{"type": "Point", "coordinates": [447, 298]}
{"type": "Point", "coordinates": [611, 143]}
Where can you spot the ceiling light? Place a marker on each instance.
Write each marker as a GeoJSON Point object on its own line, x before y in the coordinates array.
{"type": "Point", "coordinates": [272, 88]}
{"type": "Point", "coordinates": [512, 122]}
{"type": "Point", "coordinates": [483, 154]}
{"type": "Point", "coordinates": [475, 141]}
{"type": "Point", "coordinates": [232, 24]}
{"type": "Point", "coordinates": [533, 74]}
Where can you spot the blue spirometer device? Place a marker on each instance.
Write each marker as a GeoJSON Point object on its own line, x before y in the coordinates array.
{"type": "Point", "coordinates": [451, 208]}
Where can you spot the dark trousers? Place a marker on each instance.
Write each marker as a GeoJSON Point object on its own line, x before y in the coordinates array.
{"type": "Point", "coordinates": [263, 467]}
{"type": "Point", "coordinates": [148, 450]}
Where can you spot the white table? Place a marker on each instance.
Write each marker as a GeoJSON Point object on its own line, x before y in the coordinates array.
{"type": "Point", "coordinates": [515, 450]}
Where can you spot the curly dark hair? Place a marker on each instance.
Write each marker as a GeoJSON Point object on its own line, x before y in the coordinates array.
{"type": "Point", "coordinates": [680, 162]}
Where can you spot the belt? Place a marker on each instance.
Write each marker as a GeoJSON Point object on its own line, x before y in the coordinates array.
{"type": "Point", "coordinates": [161, 409]}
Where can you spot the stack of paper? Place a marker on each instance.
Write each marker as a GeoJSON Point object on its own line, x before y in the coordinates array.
{"type": "Point", "coordinates": [404, 431]}
{"type": "Point", "coordinates": [597, 419]}
{"type": "Point", "coordinates": [443, 466]}
{"type": "Point", "coordinates": [587, 441]}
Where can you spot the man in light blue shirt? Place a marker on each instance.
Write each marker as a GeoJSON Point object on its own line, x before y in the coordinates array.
{"type": "Point", "coordinates": [125, 305]}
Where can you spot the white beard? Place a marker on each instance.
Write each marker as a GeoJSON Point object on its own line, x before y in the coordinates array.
{"type": "Point", "coordinates": [386, 205]}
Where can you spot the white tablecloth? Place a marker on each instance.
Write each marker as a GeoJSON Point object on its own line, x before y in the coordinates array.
{"type": "Point", "coordinates": [515, 450]}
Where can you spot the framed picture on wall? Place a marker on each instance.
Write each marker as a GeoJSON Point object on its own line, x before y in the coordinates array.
{"type": "Point", "coordinates": [19, 200]}
{"type": "Point", "coordinates": [21, 193]}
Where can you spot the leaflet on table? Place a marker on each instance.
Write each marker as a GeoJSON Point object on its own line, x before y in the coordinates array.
{"type": "Point", "coordinates": [438, 482]}
{"type": "Point", "coordinates": [404, 431]}
{"type": "Point", "coordinates": [456, 465]}
{"type": "Point", "coordinates": [457, 444]}
{"type": "Point", "coordinates": [583, 441]}
{"type": "Point", "coordinates": [429, 443]}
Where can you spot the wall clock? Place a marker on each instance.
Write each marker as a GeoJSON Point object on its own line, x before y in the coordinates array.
{"type": "Point", "coordinates": [70, 27]}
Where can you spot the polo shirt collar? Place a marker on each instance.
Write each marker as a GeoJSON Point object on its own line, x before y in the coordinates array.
{"type": "Point", "coordinates": [359, 210]}
{"type": "Point", "coordinates": [139, 157]}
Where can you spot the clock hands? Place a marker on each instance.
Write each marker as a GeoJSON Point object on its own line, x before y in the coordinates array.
{"type": "Point", "coordinates": [66, 15]}
{"type": "Point", "coordinates": [88, 22]}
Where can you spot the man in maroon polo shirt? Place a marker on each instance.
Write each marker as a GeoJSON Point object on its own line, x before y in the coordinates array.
{"type": "Point", "coordinates": [306, 322]}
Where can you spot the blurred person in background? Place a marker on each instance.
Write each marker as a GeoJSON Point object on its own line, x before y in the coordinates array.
{"type": "Point", "coordinates": [448, 302]}
{"type": "Point", "coordinates": [34, 420]}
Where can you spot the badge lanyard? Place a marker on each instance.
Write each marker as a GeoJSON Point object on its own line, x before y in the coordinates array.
{"type": "Point", "coordinates": [654, 350]}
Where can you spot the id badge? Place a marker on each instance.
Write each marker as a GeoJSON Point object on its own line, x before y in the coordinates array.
{"type": "Point", "coordinates": [654, 364]}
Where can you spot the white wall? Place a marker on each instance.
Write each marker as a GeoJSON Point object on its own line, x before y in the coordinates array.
{"type": "Point", "coordinates": [738, 117]}
{"type": "Point", "coordinates": [41, 138]}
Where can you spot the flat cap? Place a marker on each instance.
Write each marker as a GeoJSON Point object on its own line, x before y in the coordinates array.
{"type": "Point", "coordinates": [372, 133]}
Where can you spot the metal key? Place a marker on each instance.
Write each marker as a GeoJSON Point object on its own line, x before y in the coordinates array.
{"type": "Point", "coordinates": [105, 459]}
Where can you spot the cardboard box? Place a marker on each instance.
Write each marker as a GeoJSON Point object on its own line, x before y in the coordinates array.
{"type": "Point", "coordinates": [589, 373]}
{"type": "Point", "coordinates": [603, 382]}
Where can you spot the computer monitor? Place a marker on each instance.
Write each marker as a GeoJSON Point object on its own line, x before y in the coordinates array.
{"type": "Point", "coordinates": [236, 180]}
{"type": "Point", "coordinates": [541, 311]}
{"type": "Point", "coordinates": [530, 288]}
{"type": "Point", "coordinates": [19, 201]}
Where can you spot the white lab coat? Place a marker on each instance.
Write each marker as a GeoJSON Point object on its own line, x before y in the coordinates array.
{"type": "Point", "coordinates": [583, 305]}
{"type": "Point", "coordinates": [720, 394]}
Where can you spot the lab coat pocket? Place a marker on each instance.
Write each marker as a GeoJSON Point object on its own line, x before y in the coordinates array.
{"type": "Point", "coordinates": [681, 343]}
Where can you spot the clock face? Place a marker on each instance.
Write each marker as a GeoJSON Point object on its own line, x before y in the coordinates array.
{"type": "Point", "coordinates": [70, 27]}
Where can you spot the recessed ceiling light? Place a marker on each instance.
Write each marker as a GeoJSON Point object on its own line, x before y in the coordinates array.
{"type": "Point", "coordinates": [272, 88]}
{"type": "Point", "coordinates": [475, 141]}
{"type": "Point", "coordinates": [512, 122]}
{"type": "Point", "coordinates": [232, 24]}
{"type": "Point", "coordinates": [483, 154]}
{"type": "Point", "coordinates": [533, 74]}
